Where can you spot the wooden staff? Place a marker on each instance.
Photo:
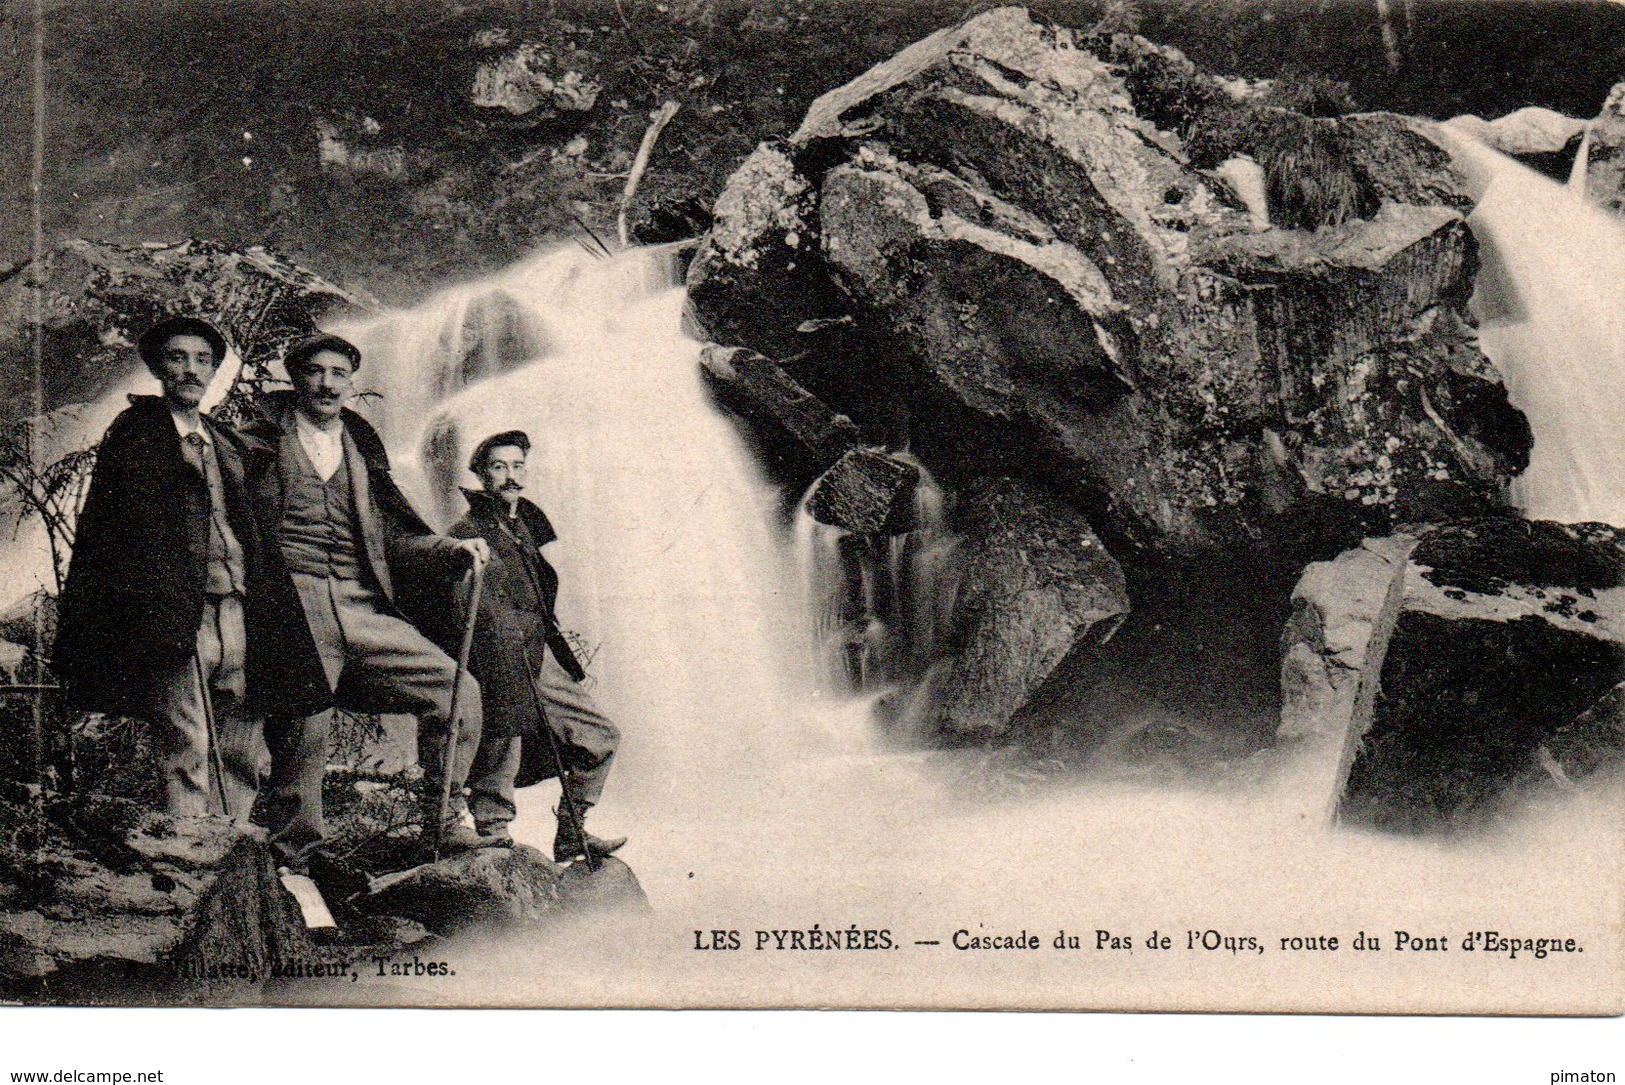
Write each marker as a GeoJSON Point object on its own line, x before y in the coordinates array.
{"type": "Point", "coordinates": [477, 576]}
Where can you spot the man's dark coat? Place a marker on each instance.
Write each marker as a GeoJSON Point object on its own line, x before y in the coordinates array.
{"type": "Point", "coordinates": [409, 563]}
{"type": "Point", "coordinates": [516, 625]}
{"type": "Point", "coordinates": [136, 582]}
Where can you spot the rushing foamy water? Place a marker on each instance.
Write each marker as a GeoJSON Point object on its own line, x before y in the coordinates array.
{"type": "Point", "coordinates": [674, 571]}
{"type": "Point", "coordinates": [753, 792]}
{"type": "Point", "coordinates": [1550, 301]}
{"type": "Point", "coordinates": [877, 618]}
{"type": "Point", "coordinates": [756, 799]}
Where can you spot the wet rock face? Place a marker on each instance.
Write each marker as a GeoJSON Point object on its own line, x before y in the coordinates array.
{"type": "Point", "coordinates": [799, 436]}
{"type": "Point", "coordinates": [1053, 288]}
{"type": "Point", "coordinates": [867, 493]}
{"type": "Point", "coordinates": [98, 297]}
{"type": "Point", "coordinates": [1034, 582]}
{"type": "Point", "coordinates": [1425, 675]}
{"type": "Point", "coordinates": [1605, 159]}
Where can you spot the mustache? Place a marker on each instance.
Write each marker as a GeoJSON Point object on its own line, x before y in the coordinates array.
{"type": "Point", "coordinates": [511, 486]}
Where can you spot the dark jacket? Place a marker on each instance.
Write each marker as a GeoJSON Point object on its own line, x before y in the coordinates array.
{"type": "Point", "coordinates": [516, 623]}
{"type": "Point", "coordinates": [409, 563]}
{"type": "Point", "coordinates": [136, 582]}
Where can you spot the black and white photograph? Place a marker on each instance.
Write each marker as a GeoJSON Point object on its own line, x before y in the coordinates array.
{"type": "Point", "coordinates": [1110, 505]}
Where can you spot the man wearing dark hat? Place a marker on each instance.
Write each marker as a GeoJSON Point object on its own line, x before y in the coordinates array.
{"type": "Point", "coordinates": [524, 662]}
{"type": "Point", "coordinates": [351, 549]}
{"type": "Point", "coordinates": [152, 614]}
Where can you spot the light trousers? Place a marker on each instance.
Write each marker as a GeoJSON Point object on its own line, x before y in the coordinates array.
{"type": "Point", "coordinates": [212, 677]}
{"type": "Point", "coordinates": [587, 739]}
{"type": "Point", "coordinates": [375, 661]}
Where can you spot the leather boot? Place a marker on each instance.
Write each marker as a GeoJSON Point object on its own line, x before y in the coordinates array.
{"type": "Point", "coordinates": [568, 844]}
{"type": "Point", "coordinates": [453, 836]}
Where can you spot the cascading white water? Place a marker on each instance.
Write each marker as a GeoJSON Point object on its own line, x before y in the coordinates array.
{"type": "Point", "coordinates": [1550, 302]}
{"type": "Point", "coordinates": [880, 613]}
{"type": "Point", "coordinates": [673, 568]}
{"type": "Point", "coordinates": [821, 574]}
{"type": "Point", "coordinates": [922, 575]}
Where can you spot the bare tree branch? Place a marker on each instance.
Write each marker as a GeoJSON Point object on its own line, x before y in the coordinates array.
{"type": "Point", "coordinates": [662, 117]}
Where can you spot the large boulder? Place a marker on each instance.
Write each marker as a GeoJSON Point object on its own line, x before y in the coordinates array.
{"type": "Point", "coordinates": [1021, 238]}
{"type": "Point", "coordinates": [1425, 674]}
{"type": "Point", "coordinates": [103, 899]}
{"type": "Point", "coordinates": [1034, 581]}
{"type": "Point", "coordinates": [96, 298]}
{"type": "Point", "coordinates": [497, 887]}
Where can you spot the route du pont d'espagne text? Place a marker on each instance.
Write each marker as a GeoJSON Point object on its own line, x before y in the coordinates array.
{"type": "Point", "coordinates": [817, 939]}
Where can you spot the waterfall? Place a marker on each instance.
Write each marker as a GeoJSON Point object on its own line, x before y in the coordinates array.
{"type": "Point", "coordinates": [752, 802]}
{"type": "Point", "coordinates": [878, 606]}
{"type": "Point", "coordinates": [674, 571]}
{"type": "Point", "coordinates": [922, 573]}
{"type": "Point", "coordinates": [1550, 302]}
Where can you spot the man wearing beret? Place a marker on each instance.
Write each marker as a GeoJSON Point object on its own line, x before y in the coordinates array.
{"type": "Point", "coordinates": [524, 663]}
{"type": "Point", "coordinates": [351, 549]}
{"type": "Point", "coordinates": [152, 615]}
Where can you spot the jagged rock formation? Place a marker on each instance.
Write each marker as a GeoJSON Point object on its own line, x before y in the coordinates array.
{"type": "Point", "coordinates": [866, 492]}
{"type": "Point", "coordinates": [95, 896]}
{"type": "Point", "coordinates": [1036, 581]}
{"type": "Point", "coordinates": [998, 245]}
{"type": "Point", "coordinates": [1425, 673]}
{"type": "Point", "coordinates": [1605, 154]}
{"type": "Point", "coordinates": [97, 297]}
{"type": "Point", "coordinates": [113, 903]}
{"type": "Point", "coordinates": [532, 82]}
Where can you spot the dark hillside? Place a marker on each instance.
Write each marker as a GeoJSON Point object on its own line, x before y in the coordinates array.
{"type": "Point", "coordinates": [169, 118]}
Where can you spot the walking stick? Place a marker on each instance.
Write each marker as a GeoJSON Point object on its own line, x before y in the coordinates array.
{"type": "Point", "coordinates": [567, 799]}
{"type": "Point", "coordinates": [212, 734]}
{"type": "Point", "coordinates": [477, 578]}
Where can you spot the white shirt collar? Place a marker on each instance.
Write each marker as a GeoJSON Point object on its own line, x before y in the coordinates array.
{"type": "Point", "coordinates": [184, 426]}
{"type": "Point", "coordinates": [310, 431]}
{"type": "Point", "coordinates": [325, 447]}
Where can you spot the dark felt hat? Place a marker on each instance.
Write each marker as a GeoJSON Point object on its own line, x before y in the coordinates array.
{"type": "Point", "coordinates": [306, 349]}
{"type": "Point", "coordinates": [151, 344]}
{"type": "Point", "coordinates": [512, 438]}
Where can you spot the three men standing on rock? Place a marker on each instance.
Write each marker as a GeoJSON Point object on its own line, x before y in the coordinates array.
{"type": "Point", "coordinates": [274, 568]}
{"type": "Point", "coordinates": [212, 566]}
